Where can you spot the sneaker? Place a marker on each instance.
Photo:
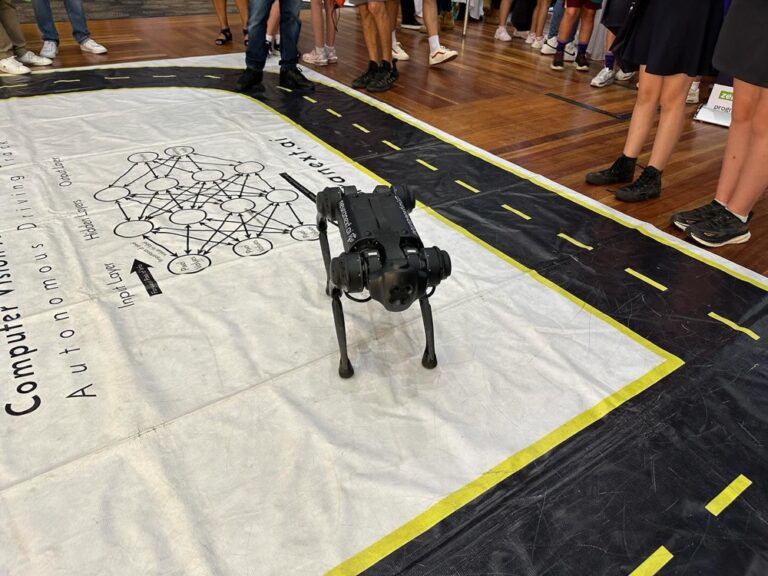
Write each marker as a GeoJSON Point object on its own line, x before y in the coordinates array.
{"type": "Point", "coordinates": [383, 79]}
{"type": "Point", "coordinates": [441, 55]}
{"type": "Point", "coordinates": [293, 79]}
{"type": "Point", "coordinates": [92, 46]}
{"type": "Point", "coordinates": [50, 49]}
{"type": "Point", "coordinates": [13, 66]}
{"type": "Point", "coordinates": [366, 77]}
{"type": "Point", "coordinates": [604, 78]}
{"type": "Point", "coordinates": [570, 52]}
{"type": "Point", "coordinates": [690, 217]}
{"type": "Point", "coordinates": [620, 172]}
{"type": "Point", "coordinates": [549, 47]}
{"type": "Point", "coordinates": [538, 43]}
{"type": "Point", "coordinates": [409, 26]}
{"type": "Point", "coordinates": [502, 34]}
{"type": "Point", "coordinates": [558, 61]}
{"type": "Point", "coordinates": [32, 59]}
{"type": "Point", "coordinates": [622, 76]}
{"type": "Point", "coordinates": [693, 98]}
{"type": "Point", "coordinates": [521, 34]}
{"type": "Point", "coordinates": [582, 65]}
{"type": "Point", "coordinates": [330, 53]}
{"type": "Point", "coordinates": [250, 81]}
{"type": "Point", "coordinates": [316, 57]}
{"type": "Point", "coordinates": [723, 228]}
{"type": "Point", "coordinates": [530, 38]}
{"type": "Point", "coordinates": [646, 187]}
{"type": "Point", "coordinates": [398, 53]}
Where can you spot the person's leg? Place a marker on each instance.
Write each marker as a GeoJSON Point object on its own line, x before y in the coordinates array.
{"type": "Point", "coordinates": [44, 19]}
{"type": "Point", "coordinates": [330, 24]}
{"type": "Point", "coordinates": [607, 75]}
{"type": "Point", "coordinates": [290, 28]}
{"type": "Point", "coordinates": [242, 8]}
{"type": "Point", "coordinates": [76, 14]}
{"type": "Point", "coordinates": [317, 17]}
{"type": "Point", "coordinates": [408, 13]}
{"type": "Point", "coordinates": [501, 32]}
{"type": "Point", "coordinates": [673, 92]}
{"type": "Point", "coordinates": [644, 113]}
{"type": "Point", "coordinates": [256, 53]}
{"type": "Point", "coordinates": [11, 37]}
{"type": "Point", "coordinates": [540, 18]}
{"type": "Point", "coordinates": [220, 7]}
{"type": "Point", "coordinates": [437, 52]}
{"type": "Point", "coordinates": [571, 14]}
{"type": "Point", "coordinates": [273, 23]}
{"type": "Point", "coordinates": [585, 33]}
{"type": "Point", "coordinates": [380, 14]}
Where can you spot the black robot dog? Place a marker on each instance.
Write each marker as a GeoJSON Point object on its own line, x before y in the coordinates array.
{"type": "Point", "coordinates": [382, 253]}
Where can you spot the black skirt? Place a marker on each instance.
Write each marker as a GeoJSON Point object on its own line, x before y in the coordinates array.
{"type": "Point", "coordinates": [742, 51]}
{"type": "Point", "coordinates": [671, 36]}
{"type": "Point", "coordinates": [615, 14]}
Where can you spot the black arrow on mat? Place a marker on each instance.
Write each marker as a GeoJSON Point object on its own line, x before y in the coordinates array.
{"type": "Point", "coordinates": [141, 269]}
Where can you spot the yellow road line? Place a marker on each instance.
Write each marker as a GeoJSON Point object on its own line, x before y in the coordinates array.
{"type": "Point", "coordinates": [732, 324]}
{"type": "Point", "coordinates": [645, 279]}
{"type": "Point", "coordinates": [362, 128]}
{"type": "Point", "coordinates": [212, 76]}
{"type": "Point", "coordinates": [14, 86]}
{"type": "Point", "coordinates": [332, 111]}
{"type": "Point", "coordinates": [308, 99]}
{"type": "Point", "coordinates": [573, 241]}
{"type": "Point", "coordinates": [116, 77]}
{"type": "Point", "coordinates": [394, 147]}
{"type": "Point", "coordinates": [426, 164]}
{"type": "Point", "coordinates": [164, 76]}
{"type": "Point", "coordinates": [522, 215]}
{"type": "Point", "coordinates": [65, 81]}
{"type": "Point", "coordinates": [728, 495]}
{"type": "Point", "coordinates": [653, 563]}
{"type": "Point", "coordinates": [284, 89]}
{"type": "Point", "coordinates": [467, 186]}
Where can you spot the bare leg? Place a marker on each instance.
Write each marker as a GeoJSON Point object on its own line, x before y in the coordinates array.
{"type": "Point", "coordinates": [504, 10]}
{"type": "Point", "coordinates": [566, 24]}
{"type": "Point", "coordinates": [644, 113]}
{"type": "Point", "coordinates": [429, 14]}
{"type": "Point", "coordinates": [330, 25]}
{"type": "Point", "coordinates": [316, 10]}
{"type": "Point", "coordinates": [242, 8]}
{"type": "Point", "coordinates": [221, 13]}
{"type": "Point", "coordinates": [674, 89]}
{"type": "Point", "coordinates": [369, 34]}
{"type": "Point", "coordinates": [587, 24]}
{"type": "Point", "coordinates": [540, 18]}
{"type": "Point", "coordinates": [273, 22]}
{"type": "Point", "coordinates": [383, 29]}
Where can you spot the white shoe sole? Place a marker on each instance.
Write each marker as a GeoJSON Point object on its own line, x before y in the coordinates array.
{"type": "Point", "coordinates": [736, 240]}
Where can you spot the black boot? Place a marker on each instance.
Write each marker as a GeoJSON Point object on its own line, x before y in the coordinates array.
{"type": "Point", "coordinates": [367, 76]}
{"type": "Point", "coordinates": [647, 186]}
{"type": "Point", "coordinates": [250, 81]}
{"type": "Point", "coordinates": [621, 171]}
{"type": "Point", "coordinates": [292, 78]}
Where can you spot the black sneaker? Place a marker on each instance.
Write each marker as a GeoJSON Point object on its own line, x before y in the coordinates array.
{"type": "Point", "coordinates": [647, 186]}
{"type": "Point", "coordinates": [690, 217]}
{"type": "Point", "coordinates": [293, 79]}
{"type": "Point", "coordinates": [581, 62]}
{"type": "Point", "coordinates": [367, 76]}
{"type": "Point", "coordinates": [383, 80]}
{"type": "Point", "coordinates": [723, 228]}
{"type": "Point", "coordinates": [621, 171]}
{"type": "Point", "coordinates": [558, 61]}
{"type": "Point", "coordinates": [250, 81]}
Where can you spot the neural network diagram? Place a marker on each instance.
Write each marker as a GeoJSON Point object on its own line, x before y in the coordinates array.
{"type": "Point", "coordinates": [191, 204]}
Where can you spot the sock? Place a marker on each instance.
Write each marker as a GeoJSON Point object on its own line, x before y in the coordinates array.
{"type": "Point", "coordinates": [695, 85]}
{"type": "Point", "coordinates": [610, 60]}
{"type": "Point", "coordinates": [583, 48]}
{"type": "Point", "coordinates": [739, 216]}
{"type": "Point", "coordinates": [434, 43]}
{"type": "Point", "coordinates": [270, 38]}
{"type": "Point", "coordinates": [560, 46]}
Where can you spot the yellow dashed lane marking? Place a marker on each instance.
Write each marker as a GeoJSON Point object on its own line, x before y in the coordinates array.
{"type": "Point", "coordinates": [522, 215]}
{"type": "Point", "coordinates": [728, 495]}
{"type": "Point", "coordinates": [65, 81]}
{"type": "Point", "coordinates": [284, 89]}
{"type": "Point", "coordinates": [332, 111]}
{"type": "Point", "coordinates": [116, 77]}
{"type": "Point", "coordinates": [388, 143]}
{"type": "Point", "coordinates": [164, 76]}
{"type": "Point", "coordinates": [308, 99]}
{"type": "Point", "coordinates": [467, 186]}
{"type": "Point", "coordinates": [653, 563]}
{"type": "Point", "coordinates": [574, 241]}
{"type": "Point", "coordinates": [645, 279]}
{"type": "Point", "coordinates": [426, 164]}
{"type": "Point", "coordinates": [14, 86]}
{"type": "Point", "coordinates": [733, 325]}
{"type": "Point", "coordinates": [362, 128]}
{"type": "Point", "coordinates": [212, 76]}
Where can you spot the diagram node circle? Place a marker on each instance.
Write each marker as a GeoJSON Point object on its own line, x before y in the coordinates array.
{"type": "Point", "coordinates": [249, 167]}
{"type": "Point", "coordinates": [179, 151]}
{"type": "Point", "coordinates": [252, 247]}
{"type": "Point", "coordinates": [280, 196]}
{"type": "Point", "coordinates": [112, 194]}
{"type": "Point", "coordinates": [161, 184]}
{"type": "Point", "coordinates": [188, 216]}
{"type": "Point", "coordinates": [208, 175]}
{"type": "Point", "coordinates": [238, 205]}
{"type": "Point", "coordinates": [189, 264]}
{"type": "Point", "coordinates": [140, 157]}
{"type": "Point", "coordinates": [134, 228]}
{"type": "Point", "coordinates": [305, 233]}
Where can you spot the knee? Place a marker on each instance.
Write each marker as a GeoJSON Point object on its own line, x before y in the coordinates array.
{"type": "Point", "coordinates": [376, 8]}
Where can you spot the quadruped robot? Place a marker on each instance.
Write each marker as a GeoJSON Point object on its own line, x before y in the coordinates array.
{"type": "Point", "coordinates": [382, 254]}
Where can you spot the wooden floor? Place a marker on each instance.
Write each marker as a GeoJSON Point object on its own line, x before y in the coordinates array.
{"type": "Point", "coordinates": [496, 96]}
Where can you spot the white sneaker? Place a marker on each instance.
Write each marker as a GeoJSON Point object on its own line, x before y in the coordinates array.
{"type": "Point", "coordinates": [604, 78]}
{"type": "Point", "coordinates": [530, 38]}
{"type": "Point", "coordinates": [316, 57]}
{"type": "Point", "coordinates": [33, 59]}
{"type": "Point", "coordinates": [13, 66]}
{"type": "Point", "coordinates": [622, 76]}
{"type": "Point", "coordinates": [570, 52]}
{"type": "Point", "coordinates": [521, 34]}
{"type": "Point", "coordinates": [549, 47]}
{"type": "Point", "coordinates": [92, 46]}
{"type": "Point", "coordinates": [693, 95]}
{"type": "Point", "coordinates": [398, 53]}
{"type": "Point", "coordinates": [49, 49]}
{"type": "Point", "coordinates": [502, 34]}
{"type": "Point", "coordinates": [538, 43]}
{"type": "Point", "coordinates": [330, 53]}
{"type": "Point", "coordinates": [441, 55]}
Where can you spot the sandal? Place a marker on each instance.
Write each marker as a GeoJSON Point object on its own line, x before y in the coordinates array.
{"type": "Point", "coordinates": [245, 36]}
{"type": "Point", "coordinates": [225, 37]}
